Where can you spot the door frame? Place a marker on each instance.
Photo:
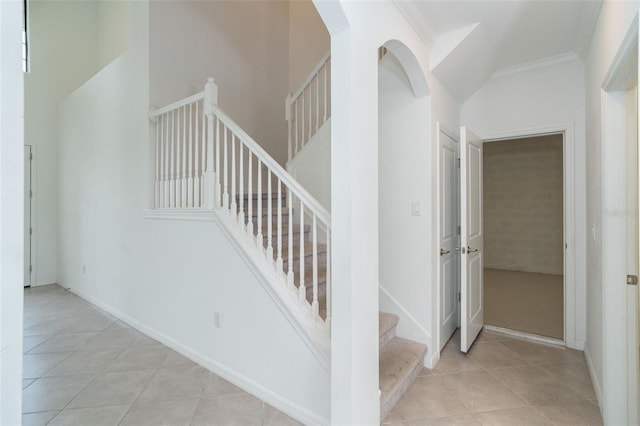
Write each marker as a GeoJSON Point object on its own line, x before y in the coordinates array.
{"type": "Point", "coordinates": [568, 204]}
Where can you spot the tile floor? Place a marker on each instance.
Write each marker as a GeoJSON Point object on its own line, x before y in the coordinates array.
{"type": "Point", "coordinates": [501, 381]}
{"type": "Point", "coordinates": [83, 367]}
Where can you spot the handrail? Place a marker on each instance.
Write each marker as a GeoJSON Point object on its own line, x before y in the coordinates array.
{"type": "Point", "coordinates": [277, 169]}
{"type": "Point", "coordinates": [178, 104]}
{"type": "Point", "coordinates": [311, 75]}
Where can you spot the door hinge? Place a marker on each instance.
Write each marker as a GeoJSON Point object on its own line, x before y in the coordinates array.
{"type": "Point", "coordinates": [30, 268]}
{"type": "Point", "coordinates": [30, 194]}
{"type": "Point", "coordinates": [458, 229]}
{"type": "Point", "coordinates": [458, 163]}
{"type": "Point", "coordinates": [458, 296]}
{"type": "Point", "coordinates": [30, 231]}
{"type": "Point", "coordinates": [632, 280]}
{"type": "Point", "coordinates": [31, 156]}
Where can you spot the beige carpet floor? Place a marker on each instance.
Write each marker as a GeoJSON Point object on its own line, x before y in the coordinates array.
{"type": "Point", "coordinates": [523, 301]}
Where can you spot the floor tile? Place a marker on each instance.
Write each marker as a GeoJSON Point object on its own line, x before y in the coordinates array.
{"type": "Point", "coordinates": [30, 342]}
{"type": "Point", "coordinates": [176, 383]}
{"type": "Point", "coordinates": [452, 360]}
{"type": "Point", "coordinates": [493, 354]}
{"type": "Point", "coordinates": [539, 353]}
{"type": "Point", "coordinates": [144, 340]}
{"type": "Point", "coordinates": [462, 420]}
{"type": "Point", "coordinates": [274, 417]}
{"type": "Point", "coordinates": [51, 325]}
{"type": "Point", "coordinates": [176, 360]}
{"type": "Point", "coordinates": [95, 416]}
{"type": "Point", "coordinates": [92, 322]}
{"type": "Point", "coordinates": [36, 365]}
{"type": "Point", "coordinates": [86, 361]}
{"type": "Point", "coordinates": [482, 392]}
{"type": "Point", "coordinates": [524, 416]}
{"type": "Point", "coordinates": [416, 407]}
{"type": "Point", "coordinates": [575, 375]}
{"type": "Point", "coordinates": [217, 386]}
{"type": "Point", "coordinates": [535, 386]}
{"type": "Point", "coordinates": [53, 393]}
{"type": "Point", "coordinates": [113, 389]}
{"type": "Point", "coordinates": [148, 357]}
{"type": "Point", "coordinates": [38, 419]}
{"type": "Point", "coordinates": [584, 413]}
{"type": "Point", "coordinates": [169, 413]}
{"type": "Point", "coordinates": [114, 336]}
{"type": "Point", "coordinates": [242, 410]}
{"type": "Point", "coordinates": [64, 342]}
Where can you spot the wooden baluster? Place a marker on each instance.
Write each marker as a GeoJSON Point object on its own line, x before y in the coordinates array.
{"type": "Point", "coordinates": [302, 141]}
{"type": "Point", "coordinates": [310, 108]}
{"type": "Point", "coordinates": [190, 171]}
{"type": "Point", "coordinates": [156, 184]}
{"type": "Point", "coordinates": [318, 101]}
{"type": "Point", "coordinates": [160, 154]}
{"type": "Point", "coordinates": [196, 160]}
{"type": "Point", "coordinates": [184, 158]}
{"type": "Point", "coordinates": [250, 197]}
{"type": "Point", "coordinates": [269, 218]}
{"type": "Point", "coordinates": [225, 160]}
{"type": "Point", "coordinates": [259, 239]}
{"type": "Point", "coordinates": [324, 96]}
{"type": "Point", "coordinates": [234, 204]}
{"type": "Point", "coordinates": [279, 232]}
{"type": "Point", "coordinates": [314, 232]}
{"type": "Point", "coordinates": [178, 162]}
{"type": "Point", "coordinates": [241, 185]}
{"type": "Point", "coordinates": [172, 189]}
{"type": "Point", "coordinates": [295, 127]}
{"type": "Point", "coordinates": [166, 161]}
{"type": "Point", "coordinates": [203, 160]}
{"type": "Point", "coordinates": [302, 290]}
{"type": "Point", "coordinates": [290, 275]}
{"type": "Point", "coordinates": [218, 170]}
{"type": "Point", "coordinates": [327, 320]}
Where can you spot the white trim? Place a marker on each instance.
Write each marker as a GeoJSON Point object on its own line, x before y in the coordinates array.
{"type": "Point", "coordinates": [523, 335]}
{"type": "Point", "coordinates": [154, 113]}
{"type": "Point", "coordinates": [588, 21]}
{"type": "Point", "coordinates": [198, 215]}
{"type": "Point", "coordinates": [563, 60]}
{"type": "Point", "coordinates": [569, 216]}
{"type": "Point", "coordinates": [243, 382]}
{"type": "Point", "coordinates": [594, 380]}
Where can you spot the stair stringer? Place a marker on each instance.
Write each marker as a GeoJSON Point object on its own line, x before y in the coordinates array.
{"type": "Point", "coordinates": [408, 327]}
{"type": "Point", "coordinates": [311, 332]}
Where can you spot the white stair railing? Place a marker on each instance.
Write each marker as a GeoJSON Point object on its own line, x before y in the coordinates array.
{"type": "Point", "coordinates": [310, 107]}
{"type": "Point", "coordinates": [203, 159]}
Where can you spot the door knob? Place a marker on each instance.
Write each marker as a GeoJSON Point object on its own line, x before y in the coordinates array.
{"type": "Point", "coordinates": [471, 250]}
{"type": "Point", "coordinates": [443, 252]}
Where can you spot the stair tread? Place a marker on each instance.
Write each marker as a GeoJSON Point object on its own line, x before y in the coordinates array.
{"type": "Point", "coordinates": [386, 322]}
{"type": "Point", "coordinates": [285, 229]}
{"type": "Point", "coordinates": [398, 360]}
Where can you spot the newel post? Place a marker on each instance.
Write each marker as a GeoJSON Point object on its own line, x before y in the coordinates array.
{"type": "Point", "coordinates": [287, 114]}
{"type": "Point", "coordinates": [211, 176]}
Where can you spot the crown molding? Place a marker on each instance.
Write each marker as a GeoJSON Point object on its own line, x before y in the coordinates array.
{"type": "Point", "coordinates": [588, 21]}
{"type": "Point", "coordinates": [545, 64]}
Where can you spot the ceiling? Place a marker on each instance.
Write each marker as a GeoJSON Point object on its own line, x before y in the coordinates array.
{"type": "Point", "coordinates": [502, 34]}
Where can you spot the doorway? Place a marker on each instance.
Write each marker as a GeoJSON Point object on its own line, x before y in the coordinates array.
{"type": "Point", "coordinates": [524, 236]}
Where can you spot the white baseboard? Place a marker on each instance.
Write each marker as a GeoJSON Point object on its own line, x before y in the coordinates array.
{"type": "Point", "coordinates": [285, 405]}
{"type": "Point", "coordinates": [594, 380]}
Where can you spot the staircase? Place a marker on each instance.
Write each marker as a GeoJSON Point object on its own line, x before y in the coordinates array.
{"type": "Point", "coordinates": [400, 363]}
{"type": "Point", "coordinates": [205, 161]}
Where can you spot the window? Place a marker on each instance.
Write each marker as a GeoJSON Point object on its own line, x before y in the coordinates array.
{"type": "Point", "coordinates": [25, 37]}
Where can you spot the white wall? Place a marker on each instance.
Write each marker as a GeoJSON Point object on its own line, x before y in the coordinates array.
{"type": "Point", "coordinates": [63, 55]}
{"type": "Point", "coordinates": [613, 24]}
{"type": "Point", "coordinates": [404, 177]}
{"type": "Point", "coordinates": [166, 277]}
{"type": "Point", "coordinates": [11, 211]}
{"type": "Point", "coordinates": [522, 103]}
{"type": "Point", "coordinates": [243, 45]}
{"type": "Point", "coordinates": [308, 41]}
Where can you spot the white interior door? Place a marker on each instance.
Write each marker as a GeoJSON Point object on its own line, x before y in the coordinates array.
{"type": "Point", "coordinates": [27, 215]}
{"type": "Point", "coordinates": [471, 259]}
{"type": "Point", "coordinates": [448, 234]}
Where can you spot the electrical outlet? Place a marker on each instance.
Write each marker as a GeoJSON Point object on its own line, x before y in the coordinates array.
{"type": "Point", "coordinates": [217, 319]}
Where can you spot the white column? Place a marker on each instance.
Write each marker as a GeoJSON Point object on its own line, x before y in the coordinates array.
{"type": "Point", "coordinates": [354, 259]}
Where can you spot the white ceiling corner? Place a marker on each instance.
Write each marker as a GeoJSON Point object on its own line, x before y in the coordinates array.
{"type": "Point", "coordinates": [588, 21]}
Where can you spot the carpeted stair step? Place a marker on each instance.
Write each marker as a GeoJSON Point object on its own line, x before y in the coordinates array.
{"type": "Point", "coordinates": [387, 327]}
{"type": "Point", "coordinates": [265, 214]}
{"type": "Point", "coordinates": [308, 256]}
{"type": "Point", "coordinates": [265, 199]}
{"type": "Point", "coordinates": [400, 363]}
